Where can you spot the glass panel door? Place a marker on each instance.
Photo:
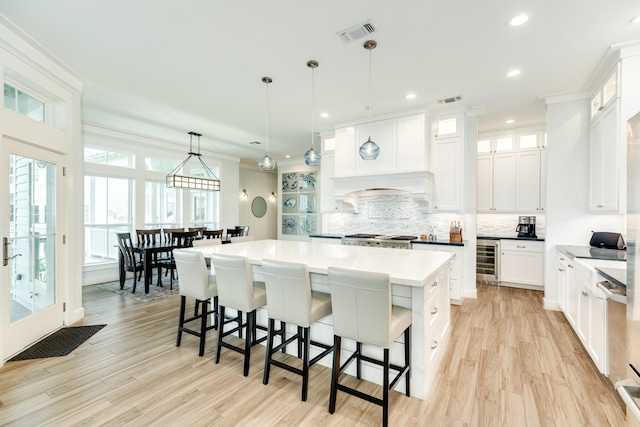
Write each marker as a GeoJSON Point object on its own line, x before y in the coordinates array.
{"type": "Point", "coordinates": [31, 300]}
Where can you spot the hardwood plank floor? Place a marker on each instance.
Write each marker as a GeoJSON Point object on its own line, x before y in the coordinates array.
{"type": "Point", "coordinates": [509, 363]}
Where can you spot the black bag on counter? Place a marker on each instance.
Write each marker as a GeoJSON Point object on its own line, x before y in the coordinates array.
{"type": "Point", "coordinates": [604, 239]}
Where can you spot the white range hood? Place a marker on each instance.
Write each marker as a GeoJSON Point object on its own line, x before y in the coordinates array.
{"type": "Point", "coordinates": [417, 185]}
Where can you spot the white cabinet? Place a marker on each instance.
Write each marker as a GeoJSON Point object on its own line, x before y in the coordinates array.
{"type": "Point", "coordinates": [401, 141]}
{"type": "Point", "coordinates": [447, 168]}
{"type": "Point", "coordinates": [522, 264]}
{"type": "Point", "coordinates": [511, 173]}
{"type": "Point", "coordinates": [345, 152]}
{"type": "Point", "coordinates": [585, 307]}
{"type": "Point", "coordinates": [604, 153]}
{"type": "Point", "coordinates": [326, 240]}
{"type": "Point", "coordinates": [410, 143]}
{"type": "Point", "coordinates": [456, 277]}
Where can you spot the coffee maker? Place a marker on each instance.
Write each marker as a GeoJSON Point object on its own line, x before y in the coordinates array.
{"type": "Point", "coordinates": [526, 226]}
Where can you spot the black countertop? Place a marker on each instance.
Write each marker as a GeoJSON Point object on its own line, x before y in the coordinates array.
{"type": "Point", "coordinates": [618, 276]}
{"type": "Point", "coordinates": [592, 253]}
{"type": "Point", "coordinates": [510, 237]}
{"type": "Point", "coordinates": [424, 242]}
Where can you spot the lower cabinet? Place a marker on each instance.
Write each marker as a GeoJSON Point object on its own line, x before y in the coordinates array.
{"type": "Point", "coordinates": [522, 263]}
{"type": "Point", "coordinates": [326, 240]}
{"type": "Point", "coordinates": [455, 268]}
{"type": "Point", "coordinates": [585, 307]}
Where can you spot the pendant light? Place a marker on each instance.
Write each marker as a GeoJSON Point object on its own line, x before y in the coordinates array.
{"type": "Point", "coordinates": [369, 150]}
{"type": "Point", "coordinates": [267, 163]}
{"type": "Point", "coordinates": [209, 182]}
{"type": "Point", "coordinates": [312, 157]}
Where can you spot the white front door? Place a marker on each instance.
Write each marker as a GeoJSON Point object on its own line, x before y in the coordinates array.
{"type": "Point", "coordinates": [31, 290]}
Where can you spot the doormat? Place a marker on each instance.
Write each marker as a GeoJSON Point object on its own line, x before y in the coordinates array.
{"type": "Point", "coordinates": [60, 343]}
{"type": "Point", "coordinates": [155, 292]}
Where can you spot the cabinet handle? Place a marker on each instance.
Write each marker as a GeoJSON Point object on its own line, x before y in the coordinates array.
{"type": "Point", "coordinates": [435, 310]}
{"type": "Point", "coordinates": [521, 247]}
{"type": "Point", "coordinates": [601, 108]}
{"type": "Point", "coordinates": [561, 269]}
{"type": "Point", "coordinates": [598, 206]}
{"type": "Point", "coordinates": [561, 259]}
{"type": "Point", "coordinates": [570, 266]}
{"type": "Point", "coordinates": [434, 345]}
{"type": "Point", "coordinates": [434, 284]}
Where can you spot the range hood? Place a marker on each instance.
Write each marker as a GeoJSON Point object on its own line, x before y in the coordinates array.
{"type": "Point", "coordinates": [417, 185]}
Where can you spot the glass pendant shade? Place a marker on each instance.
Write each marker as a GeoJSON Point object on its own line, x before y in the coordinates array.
{"type": "Point", "coordinates": [369, 150]}
{"type": "Point", "coordinates": [267, 163]}
{"type": "Point", "coordinates": [312, 157]}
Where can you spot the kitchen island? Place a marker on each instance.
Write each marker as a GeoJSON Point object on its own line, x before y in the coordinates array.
{"type": "Point", "coordinates": [420, 282]}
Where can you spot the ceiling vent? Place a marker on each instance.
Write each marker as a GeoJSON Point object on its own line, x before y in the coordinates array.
{"type": "Point", "coordinates": [356, 32]}
{"type": "Point", "coordinates": [450, 100]}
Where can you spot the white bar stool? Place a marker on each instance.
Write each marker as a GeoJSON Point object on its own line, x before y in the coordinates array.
{"type": "Point", "coordinates": [363, 312]}
{"type": "Point", "coordinates": [237, 290]}
{"type": "Point", "coordinates": [195, 282]}
{"type": "Point", "coordinates": [291, 300]}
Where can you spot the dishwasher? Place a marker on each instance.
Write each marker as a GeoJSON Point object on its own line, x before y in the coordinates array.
{"type": "Point", "coordinates": [616, 329]}
{"type": "Point", "coordinates": [488, 261]}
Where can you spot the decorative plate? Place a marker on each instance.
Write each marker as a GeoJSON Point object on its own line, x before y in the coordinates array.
{"type": "Point", "coordinates": [290, 203]}
{"type": "Point", "coordinates": [308, 181]}
{"type": "Point", "coordinates": [289, 225]}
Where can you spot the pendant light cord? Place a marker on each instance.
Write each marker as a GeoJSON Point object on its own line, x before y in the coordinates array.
{"type": "Point", "coordinates": [267, 148]}
{"type": "Point", "coordinates": [369, 106]}
{"type": "Point", "coordinates": [313, 113]}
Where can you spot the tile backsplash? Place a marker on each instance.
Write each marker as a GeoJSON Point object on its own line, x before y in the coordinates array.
{"type": "Point", "coordinates": [393, 215]}
{"type": "Point", "coordinates": [504, 225]}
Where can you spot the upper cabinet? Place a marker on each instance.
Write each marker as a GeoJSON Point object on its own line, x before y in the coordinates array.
{"type": "Point", "coordinates": [603, 161]}
{"type": "Point", "coordinates": [402, 146]}
{"type": "Point", "coordinates": [511, 172]}
{"type": "Point", "coordinates": [448, 163]}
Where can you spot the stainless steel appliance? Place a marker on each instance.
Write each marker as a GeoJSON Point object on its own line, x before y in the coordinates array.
{"type": "Point", "coordinates": [488, 261]}
{"type": "Point", "coordinates": [629, 389]}
{"type": "Point", "coordinates": [613, 285]}
{"type": "Point", "coordinates": [378, 240]}
{"type": "Point", "coordinates": [526, 226]}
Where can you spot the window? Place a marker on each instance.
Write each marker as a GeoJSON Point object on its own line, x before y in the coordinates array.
{"type": "Point", "coordinates": [203, 209]}
{"type": "Point", "coordinates": [109, 156]}
{"type": "Point", "coordinates": [160, 164]}
{"type": "Point", "coordinates": [161, 207]}
{"type": "Point", "coordinates": [23, 103]}
{"type": "Point", "coordinates": [107, 211]}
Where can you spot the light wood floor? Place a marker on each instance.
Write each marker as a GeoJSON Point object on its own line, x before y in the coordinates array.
{"type": "Point", "coordinates": [509, 363]}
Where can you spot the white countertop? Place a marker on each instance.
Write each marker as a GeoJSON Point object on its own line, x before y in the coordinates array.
{"type": "Point", "coordinates": [406, 267]}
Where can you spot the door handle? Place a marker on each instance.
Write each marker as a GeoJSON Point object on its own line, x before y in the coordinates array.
{"type": "Point", "coordinates": [5, 252]}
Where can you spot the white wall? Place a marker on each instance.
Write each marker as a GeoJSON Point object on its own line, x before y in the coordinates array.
{"type": "Point", "coordinates": [258, 183]}
{"type": "Point", "coordinates": [568, 221]}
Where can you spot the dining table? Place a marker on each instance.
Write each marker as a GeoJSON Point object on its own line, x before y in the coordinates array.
{"type": "Point", "coordinates": [148, 251]}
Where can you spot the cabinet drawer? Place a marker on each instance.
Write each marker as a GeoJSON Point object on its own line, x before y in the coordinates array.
{"type": "Point", "coordinates": [521, 245]}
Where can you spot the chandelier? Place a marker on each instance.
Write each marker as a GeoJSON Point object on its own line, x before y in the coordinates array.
{"type": "Point", "coordinates": [209, 183]}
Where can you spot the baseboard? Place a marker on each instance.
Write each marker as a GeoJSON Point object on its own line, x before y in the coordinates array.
{"type": "Point", "coordinates": [551, 305]}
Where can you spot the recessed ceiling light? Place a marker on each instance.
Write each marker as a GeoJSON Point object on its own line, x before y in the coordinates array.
{"type": "Point", "coordinates": [287, 156]}
{"type": "Point", "coordinates": [636, 20]}
{"type": "Point", "coordinates": [411, 96]}
{"type": "Point", "coordinates": [510, 121]}
{"type": "Point", "coordinates": [518, 20]}
{"type": "Point", "coordinates": [513, 73]}
{"type": "Point", "coordinates": [324, 115]}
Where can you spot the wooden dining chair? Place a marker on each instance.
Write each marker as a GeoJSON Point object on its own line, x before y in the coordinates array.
{"type": "Point", "coordinates": [212, 234]}
{"type": "Point", "coordinates": [167, 232]}
{"type": "Point", "coordinates": [233, 232]}
{"type": "Point", "coordinates": [128, 261]}
{"type": "Point", "coordinates": [179, 239]}
{"type": "Point", "coordinates": [198, 229]}
{"type": "Point", "coordinates": [244, 228]}
{"type": "Point", "coordinates": [151, 236]}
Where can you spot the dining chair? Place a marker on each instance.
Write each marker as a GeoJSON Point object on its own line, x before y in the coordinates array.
{"type": "Point", "coordinates": [244, 228]}
{"type": "Point", "coordinates": [238, 291]}
{"type": "Point", "coordinates": [291, 300]}
{"type": "Point", "coordinates": [212, 234]}
{"type": "Point", "coordinates": [179, 239]}
{"type": "Point", "coordinates": [207, 242]}
{"type": "Point", "coordinates": [241, 239]}
{"type": "Point", "coordinates": [363, 312]}
{"type": "Point", "coordinates": [198, 229]}
{"type": "Point", "coordinates": [128, 261]}
{"type": "Point", "coordinates": [196, 282]}
{"type": "Point", "coordinates": [233, 232]}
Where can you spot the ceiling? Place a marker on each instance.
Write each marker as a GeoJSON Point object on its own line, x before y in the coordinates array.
{"type": "Point", "coordinates": [162, 68]}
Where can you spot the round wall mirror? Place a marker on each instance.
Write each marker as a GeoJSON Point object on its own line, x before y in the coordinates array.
{"type": "Point", "coordinates": [259, 207]}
